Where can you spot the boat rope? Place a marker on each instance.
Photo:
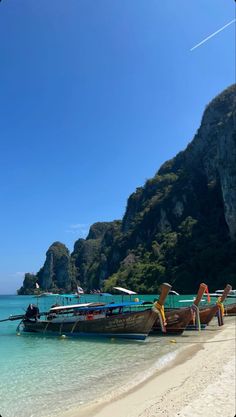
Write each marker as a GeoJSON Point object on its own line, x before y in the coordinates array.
{"type": "Point", "coordinates": [220, 312]}
{"type": "Point", "coordinates": [159, 309]}
{"type": "Point", "coordinates": [74, 325]}
{"type": "Point", "coordinates": [208, 295]}
{"type": "Point", "coordinates": [221, 306]}
{"type": "Point", "coordinates": [18, 327]}
{"type": "Point", "coordinates": [60, 328]}
{"type": "Point", "coordinates": [196, 317]}
{"type": "Point", "coordinates": [45, 329]}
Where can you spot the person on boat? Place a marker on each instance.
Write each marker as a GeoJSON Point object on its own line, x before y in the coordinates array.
{"type": "Point", "coordinates": [109, 312]}
{"type": "Point", "coordinates": [53, 315]}
{"type": "Point", "coordinates": [32, 312]}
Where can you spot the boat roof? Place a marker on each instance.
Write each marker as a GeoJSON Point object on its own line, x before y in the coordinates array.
{"type": "Point", "coordinates": [128, 304]}
{"type": "Point", "coordinates": [221, 291]}
{"type": "Point", "coordinates": [96, 306]}
{"type": "Point", "coordinates": [68, 295]}
{"type": "Point", "coordinates": [107, 294]}
{"type": "Point", "coordinates": [188, 301]}
{"type": "Point", "coordinates": [72, 306]}
{"type": "Point", "coordinates": [125, 290]}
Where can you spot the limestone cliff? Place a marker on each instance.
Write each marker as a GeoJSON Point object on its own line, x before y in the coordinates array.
{"type": "Point", "coordinates": [214, 148]}
{"type": "Point", "coordinates": [179, 227]}
{"type": "Point", "coordinates": [58, 272]}
{"type": "Point", "coordinates": [89, 255]}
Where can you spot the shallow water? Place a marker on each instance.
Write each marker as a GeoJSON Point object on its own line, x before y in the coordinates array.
{"type": "Point", "coordinates": [41, 376]}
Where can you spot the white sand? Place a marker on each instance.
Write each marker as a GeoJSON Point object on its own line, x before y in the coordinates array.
{"type": "Point", "coordinates": [199, 383]}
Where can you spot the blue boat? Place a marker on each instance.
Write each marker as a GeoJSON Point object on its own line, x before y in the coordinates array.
{"type": "Point", "coordinates": [126, 320]}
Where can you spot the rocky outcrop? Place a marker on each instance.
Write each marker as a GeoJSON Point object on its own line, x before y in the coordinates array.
{"type": "Point", "coordinates": [89, 255]}
{"type": "Point", "coordinates": [58, 272]}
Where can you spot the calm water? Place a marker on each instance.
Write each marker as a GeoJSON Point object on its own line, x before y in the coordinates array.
{"type": "Point", "coordinates": [41, 376]}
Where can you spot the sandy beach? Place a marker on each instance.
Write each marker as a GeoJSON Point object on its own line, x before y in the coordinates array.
{"type": "Point", "coordinates": [199, 382]}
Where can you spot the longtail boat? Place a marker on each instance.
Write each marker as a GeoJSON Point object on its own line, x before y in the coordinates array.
{"type": "Point", "coordinates": [177, 319]}
{"type": "Point", "coordinates": [230, 309]}
{"type": "Point", "coordinates": [125, 320]}
{"type": "Point", "coordinates": [218, 293]}
{"type": "Point", "coordinates": [208, 312]}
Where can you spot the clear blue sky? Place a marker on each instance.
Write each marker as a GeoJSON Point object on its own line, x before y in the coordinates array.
{"type": "Point", "coordinates": [94, 96]}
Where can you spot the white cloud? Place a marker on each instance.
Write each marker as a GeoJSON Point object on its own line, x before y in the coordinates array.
{"type": "Point", "coordinates": [79, 229]}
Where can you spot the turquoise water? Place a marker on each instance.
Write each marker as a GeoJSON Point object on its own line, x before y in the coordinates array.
{"type": "Point", "coordinates": [43, 376]}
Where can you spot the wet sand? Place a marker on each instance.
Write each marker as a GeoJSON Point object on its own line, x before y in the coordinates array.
{"type": "Point", "coordinates": [200, 382]}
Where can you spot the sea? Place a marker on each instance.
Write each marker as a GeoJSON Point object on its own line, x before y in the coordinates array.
{"type": "Point", "coordinates": [43, 376]}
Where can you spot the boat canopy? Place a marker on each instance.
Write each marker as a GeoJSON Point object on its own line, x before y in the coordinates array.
{"type": "Point", "coordinates": [220, 292]}
{"type": "Point", "coordinates": [68, 307]}
{"type": "Point", "coordinates": [172, 292]}
{"type": "Point", "coordinates": [68, 295]}
{"type": "Point", "coordinates": [125, 290]}
{"type": "Point", "coordinates": [188, 301]}
{"type": "Point", "coordinates": [105, 294]}
{"type": "Point", "coordinates": [97, 306]}
{"type": "Point", "coordinates": [117, 305]}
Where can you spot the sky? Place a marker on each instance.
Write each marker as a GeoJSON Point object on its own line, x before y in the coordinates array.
{"type": "Point", "coordinates": [94, 96]}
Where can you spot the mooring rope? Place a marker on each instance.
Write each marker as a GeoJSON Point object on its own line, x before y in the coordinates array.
{"type": "Point", "coordinates": [196, 318]}
{"type": "Point", "coordinates": [159, 309]}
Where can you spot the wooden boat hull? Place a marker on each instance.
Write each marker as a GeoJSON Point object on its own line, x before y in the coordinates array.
{"type": "Point", "coordinates": [207, 314]}
{"type": "Point", "coordinates": [134, 325]}
{"type": "Point", "coordinates": [176, 319]}
{"type": "Point", "coordinates": [230, 309]}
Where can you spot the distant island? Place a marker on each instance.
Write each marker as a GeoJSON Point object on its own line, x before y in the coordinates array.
{"type": "Point", "coordinates": [179, 227]}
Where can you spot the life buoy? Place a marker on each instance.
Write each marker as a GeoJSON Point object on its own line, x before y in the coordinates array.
{"type": "Point", "coordinates": [90, 316]}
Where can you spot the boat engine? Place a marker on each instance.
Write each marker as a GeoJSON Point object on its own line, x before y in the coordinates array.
{"type": "Point", "coordinates": [32, 312]}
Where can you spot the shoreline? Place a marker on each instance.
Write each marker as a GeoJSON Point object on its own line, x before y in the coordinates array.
{"type": "Point", "coordinates": [176, 389]}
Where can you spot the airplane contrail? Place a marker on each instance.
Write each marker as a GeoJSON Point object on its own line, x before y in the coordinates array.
{"type": "Point", "coordinates": [213, 34]}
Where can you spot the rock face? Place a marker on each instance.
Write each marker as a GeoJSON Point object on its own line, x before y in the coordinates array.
{"type": "Point", "coordinates": [215, 146]}
{"type": "Point", "coordinates": [57, 273]}
{"type": "Point", "coordinates": [179, 227]}
{"type": "Point", "coordinates": [89, 255]}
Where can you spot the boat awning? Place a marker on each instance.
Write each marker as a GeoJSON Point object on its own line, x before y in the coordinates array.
{"type": "Point", "coordinates": [68, 307]}
{"type": "Point", "coordinates": [68, 295]}
{"type": "Point", "coordinates": [125, 290]}
{"type": "Point", "coordinates": [96, 306]}
{"type": "Point", "coordinates": [113, 306]}
{"type": "Point", "coordinates": [105, 294]}
{"type": "Point", "coordinates": [128, 304]}
{"type": "Point", "coordinates": [189, 301]}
